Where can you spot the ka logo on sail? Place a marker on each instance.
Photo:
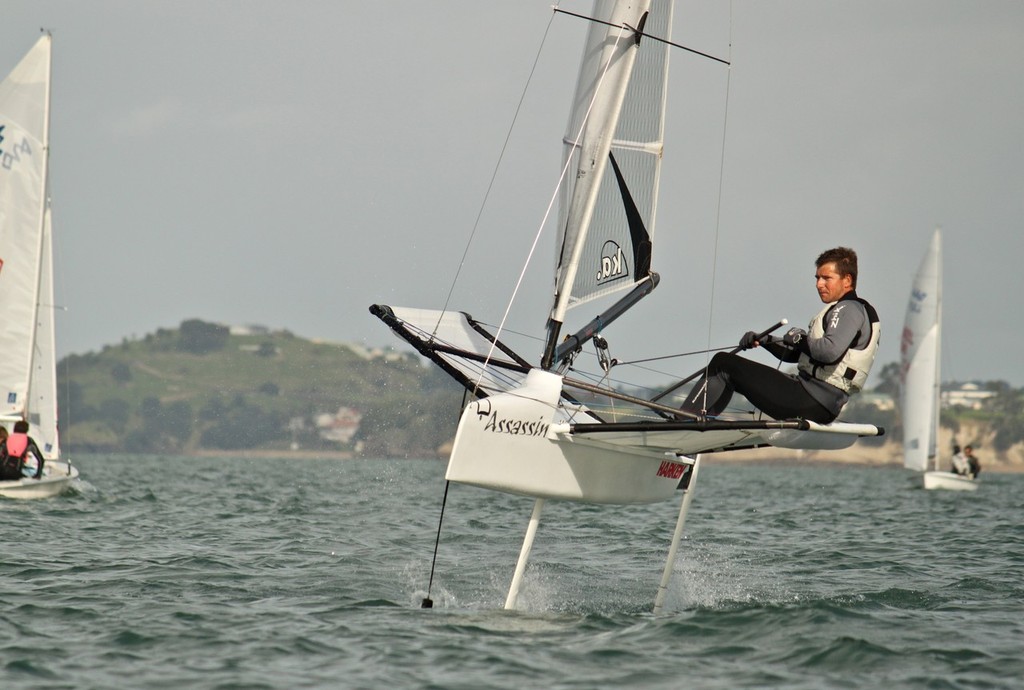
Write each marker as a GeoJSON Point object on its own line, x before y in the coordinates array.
{"type": "Point", "coordinates": [613, 263]}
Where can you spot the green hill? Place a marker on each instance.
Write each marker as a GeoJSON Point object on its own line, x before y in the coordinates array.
{"type": "Point", "coordinates": [200, 387]}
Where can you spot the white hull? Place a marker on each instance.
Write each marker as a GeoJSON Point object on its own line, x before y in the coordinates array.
{"type": "Point", "coordinates": [57, 478]}
{"type": "Point", "coordinates": [948, 481]}
{"type": "Point", "coordinates": [508, 442]}
{"type": "Point", "coordinates": [522, 442]}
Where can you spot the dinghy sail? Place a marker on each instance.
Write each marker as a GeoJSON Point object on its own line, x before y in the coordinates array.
{"type": "Point", "coordinates": [28, 365]}
{"type": "Point", "coordinates": [919, 375]}
{"type": "Point", "coordinates": [613, 144]}
{"type": "Point", "coordinates": [533, 429]}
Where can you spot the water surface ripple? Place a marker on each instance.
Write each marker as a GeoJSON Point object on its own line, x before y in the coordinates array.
{"type": "Point", "coordinates": [266, 573]}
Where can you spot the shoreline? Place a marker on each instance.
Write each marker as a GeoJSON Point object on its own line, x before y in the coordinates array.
{"type": "Point", "coordinates": [861, 457]}
{"type": "Point", "coordinates": [888, 455]}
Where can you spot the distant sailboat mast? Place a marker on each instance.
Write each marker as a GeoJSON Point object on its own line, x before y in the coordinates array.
{"type": "Point", "coordinates": [44, 280]}
{"type": "Point", "coordinates": [42, 405]}
{"type": "Point", "coordinates": [937, 379]}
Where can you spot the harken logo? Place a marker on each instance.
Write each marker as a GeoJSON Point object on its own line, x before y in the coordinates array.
{"type": "Point", "coordinates": [613, 263]}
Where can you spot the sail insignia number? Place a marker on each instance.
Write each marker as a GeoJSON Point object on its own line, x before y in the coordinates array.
{"type": "Point", "coordinates": [11, 155]}
{"type": "Point", "coordinates": [613, 263]}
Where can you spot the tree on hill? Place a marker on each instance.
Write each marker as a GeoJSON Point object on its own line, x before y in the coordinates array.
{"type": "Point", "coordinates": [1007, 408]}
{"type": "Point", "coordinates": [200, 337]}
{"type": "Point", "coordinates": [239, 425]}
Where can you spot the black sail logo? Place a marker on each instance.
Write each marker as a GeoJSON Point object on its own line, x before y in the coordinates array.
{"type": "Point", "coordinates": [613, 263]}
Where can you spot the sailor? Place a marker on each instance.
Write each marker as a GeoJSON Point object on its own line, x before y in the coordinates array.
{"type": "Point", "coordinates": [960, 464]}
{"type": "Point", "coordinates": [14, 450]}
{"type": "Point", "coordinates": [833, 356]}
{"type": "Point", "coordinates": [973, 464]}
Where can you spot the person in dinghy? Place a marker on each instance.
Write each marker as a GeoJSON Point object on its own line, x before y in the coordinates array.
{"type": "Point", "coordinates": [973, 464]}
{"type": "Point", "coordinates": [15, 449]}
{"type": "Point", "coordinates": [959, 462]}
{"type": "Point", "coordinates": [833, 357]}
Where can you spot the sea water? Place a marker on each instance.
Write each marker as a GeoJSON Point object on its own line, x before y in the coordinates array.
{"type": "Point", "coordinates": [167, 572]}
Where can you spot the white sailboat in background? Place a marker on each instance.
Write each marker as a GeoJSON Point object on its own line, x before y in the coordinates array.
{"type": "Point", "coordinates": [920, 364]}
{"type": "Point", "coordinates": [28, 380]}
{"type": "Point", "coordinates": [535, 430]}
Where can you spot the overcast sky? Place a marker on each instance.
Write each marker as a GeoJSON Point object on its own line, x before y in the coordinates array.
{"type": "Point", "coordinates": [291, 163]}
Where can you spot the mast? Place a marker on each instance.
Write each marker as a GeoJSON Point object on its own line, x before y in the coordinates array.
{"type": "Point", "coordinates": [937, 392]}
{"type": "Point", "coordinates": [44, 244]}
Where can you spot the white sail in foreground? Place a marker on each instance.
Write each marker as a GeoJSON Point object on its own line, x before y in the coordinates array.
{"type": "Point", "coordinates": [27, 349]}
{"type": "Point", "coordinates": [620, 90]}
{"type": "Point", "coordinates": [919, 368]}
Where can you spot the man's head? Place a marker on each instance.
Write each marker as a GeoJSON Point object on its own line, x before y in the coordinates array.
{"type": "Point", "coordinates": [21, 427]}
{"type": "Point", "coordinates": [968, 450]}
{"type": "Point", "coordinates": [836, 273]}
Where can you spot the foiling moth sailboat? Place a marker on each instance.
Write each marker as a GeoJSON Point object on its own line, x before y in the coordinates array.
{"type": "Point", "coordinates": [533, 429]}
{"type": "Point", "coordinates": [28, 381]}
{"type": "Point", "coordinates": [919, 375]}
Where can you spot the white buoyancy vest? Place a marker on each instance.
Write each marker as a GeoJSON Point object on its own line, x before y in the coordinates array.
{"type": "Point", "coordinates": [851, 372]}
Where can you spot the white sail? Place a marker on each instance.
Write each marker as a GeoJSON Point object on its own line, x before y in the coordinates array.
{"type": "Point", "coordinates": [28, 375]}
{"type": "Point", "coordinates": [919, 361]}
{"type": "Point", "coordinates": [618, 108]}
{"type": "Point", "coordinates": [24, 106]}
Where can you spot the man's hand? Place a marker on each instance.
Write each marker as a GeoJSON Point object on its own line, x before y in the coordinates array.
{"type": "Point", "coordinates": [748, 340]}
{"type": "Point", "coordinates": [794, 336]}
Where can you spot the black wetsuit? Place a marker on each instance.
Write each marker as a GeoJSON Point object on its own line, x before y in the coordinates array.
{"type": "Point", "coordinates": [788, 396]}
{"type": "Point", "coordinates": [11, 466]}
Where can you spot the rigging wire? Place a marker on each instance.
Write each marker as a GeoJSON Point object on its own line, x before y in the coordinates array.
{"type": "Point", "coordinates": [427, 601]}
{"type": "Point", "coordinates": [643, 34]}
{"type": "Point", "coordinates": [718, 209]}
{"type": "Point", "coordinates": [678, 354]}
{"type": "Point", "coordinates": [634, 363]}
